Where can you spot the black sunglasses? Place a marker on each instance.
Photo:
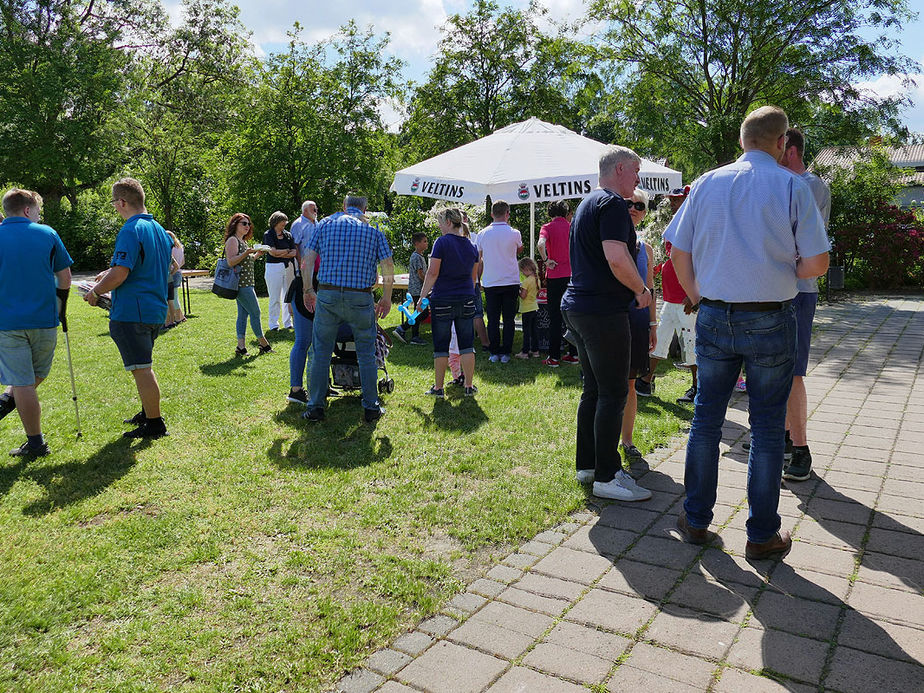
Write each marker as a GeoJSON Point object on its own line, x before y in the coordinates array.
{"type": "Point", "coordinates": [639, 206]}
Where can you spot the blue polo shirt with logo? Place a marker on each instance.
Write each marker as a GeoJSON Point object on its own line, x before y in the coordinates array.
{"type": "Point", "coordinates": [30, 254]}
{"type": "Point", "coordinates": [144, 248]}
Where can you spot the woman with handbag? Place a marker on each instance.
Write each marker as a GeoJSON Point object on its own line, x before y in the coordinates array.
{"type": "Point", "coordinates": [238, 231]}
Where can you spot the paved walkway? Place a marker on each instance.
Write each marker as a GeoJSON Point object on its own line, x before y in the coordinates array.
{"type": "Point", "coordinates": [613, 601]}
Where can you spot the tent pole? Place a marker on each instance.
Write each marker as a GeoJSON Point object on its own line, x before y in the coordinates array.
{"type": "Point", "coordinates": [532, 230]}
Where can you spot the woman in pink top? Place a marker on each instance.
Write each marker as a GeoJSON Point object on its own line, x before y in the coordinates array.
{"type": "Point", "coordinates": [553, 249]}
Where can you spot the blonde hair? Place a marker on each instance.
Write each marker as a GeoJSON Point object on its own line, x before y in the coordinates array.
{"type": "Point", "coordinates": [450, 214]}
{"type": "Point", "coordinates": [130, 190]}
{"type": "Point", "coordinates": [17, 199]}
{"type": "Point", "coordinates": [764, 126]}
{"type": "Point", "coordinates": [641, 195]}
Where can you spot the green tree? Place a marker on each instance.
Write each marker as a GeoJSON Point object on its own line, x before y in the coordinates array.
{"type": "Point", "coordinates": [494, 67]}
{"type": "Point", "coordinates": [691, 71]}
{"type": "Point", "coordinates": [311, 125]}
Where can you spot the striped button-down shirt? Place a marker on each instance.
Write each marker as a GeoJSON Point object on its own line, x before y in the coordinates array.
{"type": "Point", "coordinates": [351, 250]}
{"type": "Point", "coordinates": [745, 224]}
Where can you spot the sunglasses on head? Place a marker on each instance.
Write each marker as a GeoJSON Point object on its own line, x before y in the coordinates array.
{"type": "Point", "coordinates": [639, 206]}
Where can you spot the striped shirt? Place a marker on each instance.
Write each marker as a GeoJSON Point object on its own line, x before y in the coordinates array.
{"type": "Point", "coordinates": [745, 224]}
{"type": "Point", "coordinates": [351, 250]}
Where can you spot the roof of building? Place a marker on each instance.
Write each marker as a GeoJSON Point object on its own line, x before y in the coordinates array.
{"type": "Point", "coordinates": [909, 156]}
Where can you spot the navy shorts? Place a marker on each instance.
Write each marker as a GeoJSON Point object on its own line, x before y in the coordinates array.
{"type": "Point", "coordinates": [804, 305]}
{"type": "Point", "coordinates": [135, 341]}
{"type": "Point", "coordinates": [638, 343]}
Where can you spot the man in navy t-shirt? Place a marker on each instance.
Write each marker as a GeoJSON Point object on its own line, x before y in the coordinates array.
{"type": "Point", "coordinates": [604, 284]}
{"type": "Point", "coordinates": [34, 266]}
{"type": "Point", "coordinates": [138, 279]}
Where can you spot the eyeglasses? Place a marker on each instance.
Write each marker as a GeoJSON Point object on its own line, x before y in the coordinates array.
{"type": "Point", "coordinates": [244, 223]}
{"type": "Point", "coordinates": [639, 206]}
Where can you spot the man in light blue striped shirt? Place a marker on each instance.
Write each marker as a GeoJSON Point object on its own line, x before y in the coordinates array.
{"type": "Point", "coordinates": [744, 236]}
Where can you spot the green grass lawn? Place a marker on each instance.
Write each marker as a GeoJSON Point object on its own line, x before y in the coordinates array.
{"type": "Point", "coordinates": [253, 551]}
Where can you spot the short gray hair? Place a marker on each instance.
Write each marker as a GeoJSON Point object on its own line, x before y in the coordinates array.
{"type": "Point", "coordinates": [615, 155]}
{"type": "Point", "coordinates": [306, 204]}
{"type": "Point", "coordinates": [357, 201]}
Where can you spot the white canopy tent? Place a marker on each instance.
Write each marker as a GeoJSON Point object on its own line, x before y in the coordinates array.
{"type": "Point", "coordinates": [528, 162]}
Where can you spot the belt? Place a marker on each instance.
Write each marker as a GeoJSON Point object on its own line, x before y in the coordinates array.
{"type": "Point", "coordinates": [331, 287]}
{"type": "Point", "coordinates": [753, 307]}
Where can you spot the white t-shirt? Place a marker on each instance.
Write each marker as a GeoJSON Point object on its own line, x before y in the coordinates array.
{"type": "Point", "coordinates": [498, 244]}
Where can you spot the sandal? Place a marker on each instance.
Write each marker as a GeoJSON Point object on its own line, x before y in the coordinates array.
{"type": "Point", "coordinates": [241, 351]}
{"type": "Point", "coordinates": [267, 349]}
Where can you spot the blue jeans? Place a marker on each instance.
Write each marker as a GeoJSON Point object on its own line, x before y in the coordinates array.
{"type": "Point", "coordinates": [335, 306]}
{"type": "Point", "coordinates": [247, 306]}
{"type": "Point", "coordinates": [446, 312]}
{"type": "Point", "coordinates": [298, 357]}
{"type": "Point", "coordinates": [765, 343]}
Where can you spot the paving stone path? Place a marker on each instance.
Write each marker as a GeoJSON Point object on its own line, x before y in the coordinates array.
{"type": "Point", "coordinates": [613, 601]}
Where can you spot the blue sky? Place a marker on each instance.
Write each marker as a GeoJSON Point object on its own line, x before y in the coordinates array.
{"type": "Point", "coordinates": [413, 25]}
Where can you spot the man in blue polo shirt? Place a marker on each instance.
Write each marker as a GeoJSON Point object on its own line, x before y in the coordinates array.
{"type": "Point", "coordinates": [32, 261]}
{"type": "Point", "coordinates": [747, 232]}
{"type": "Point", "coordinates": [138, 280]}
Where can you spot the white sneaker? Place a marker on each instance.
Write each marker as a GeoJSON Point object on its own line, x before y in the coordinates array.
{"type": "Point", "coordinates": [619, 489]}
{"type": "Point", "coordinates": [585, 476]}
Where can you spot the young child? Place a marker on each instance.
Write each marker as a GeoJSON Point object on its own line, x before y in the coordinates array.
{"type": "Point", "coordinates": [529, 290]}
{"type": "Point", "coordinates": [417, 270]}
{"type": "Point", "coordinates": [455, 359]}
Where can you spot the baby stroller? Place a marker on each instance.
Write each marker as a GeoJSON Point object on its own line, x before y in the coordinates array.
{"type": "Point", "coordinates": [344, 368]}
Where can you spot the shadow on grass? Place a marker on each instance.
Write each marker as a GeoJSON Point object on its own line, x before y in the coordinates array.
{"type": "Point", "coordinates": [464, 415]}
{"type": "Point", "coordinates": [73, 481]}
{"type": "Point", "coordinates": [343, 440]}
{"type": "Point", "coordinates": [241, 364]}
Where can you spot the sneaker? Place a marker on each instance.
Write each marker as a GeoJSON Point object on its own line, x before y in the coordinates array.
{"type": "Point", "coordinates": [316, 414]}
{"type": "Point", "coordinates": [800, 467]}
{"type": "Point", "coordinates": [521, 355]}
{"type": "Point", "coordinates": [622, 487]}
{"type": "Point", "coordinates": [137, 419]}
{"type": "Point", "coordinates": [147, 430]}
{"type": "Point", "coordinates": [399, 335]}
{"type": "Point", "coordinates": [471, 391]}
{"type": "Point", "coordinates": [297, 397]}
{"type": "Point", "coordinates": [436, 392]}
{"type": "Point", "coordinates": [638, 465]}
{"type": "Point", "coordinates": [374, 414]}
{"type": "Point", "coordinates": [681, 365]}
{"type": "Point", "coordinates": [505, 358]}
{"type": "Point", "coordinates": [741, 385]}
{"type": "Point", "coordinates": [534, 354]}
{"type": "Point", "coordinates": [494, 358]}
{"type": "Point", "coordinates": [643, 388]}
{"type": "Point", "coordinates": [585, 476]}
{"type": "Point", "coordinates": [550, 362]}
{"type": "Point", "coordinates": [568, 358]}
{"type": "Point", "coordinates": [687, 397]}
{"type": "Point", "coordinates": [6, 405]}
{"type": "Point", "coordinates": [459, 382]}
{"type": "Point", "coordinates": [417, 341]}
{"type": "Point", "coordinates": [26, 450]}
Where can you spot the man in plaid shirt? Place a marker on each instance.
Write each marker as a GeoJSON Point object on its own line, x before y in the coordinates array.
{"type": "Point", "coordinates": [351, 250]}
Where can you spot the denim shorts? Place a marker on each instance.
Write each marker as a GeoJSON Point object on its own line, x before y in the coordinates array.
{"type": "Point", "coordinates": [26, 355]}
{"type": "Point", "coordinates": [804, 304]}
{"type": "Point", "coordinates": [177, 279]}
{"type": "Point", "coordinates": [479, 302]}
{"type": "Point", "coordinates": [446, 312]}
{"type": "Point", "coordinates": [135, 341]}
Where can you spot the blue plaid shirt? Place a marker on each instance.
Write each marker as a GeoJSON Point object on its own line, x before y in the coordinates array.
{"type": "Point", "coordinates": [351, 250]}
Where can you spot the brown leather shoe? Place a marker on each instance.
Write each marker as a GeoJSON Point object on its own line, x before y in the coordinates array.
{"type": "Point", "coordinates": [777, 547]}
{"type": "Point", "coordinates": [693, 535]}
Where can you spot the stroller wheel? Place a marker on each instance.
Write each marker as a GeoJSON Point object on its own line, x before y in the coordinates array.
{"type": "Point", "coordinates": [390, 385]}
{"type": "Point", "coordinates": [383, 386]}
